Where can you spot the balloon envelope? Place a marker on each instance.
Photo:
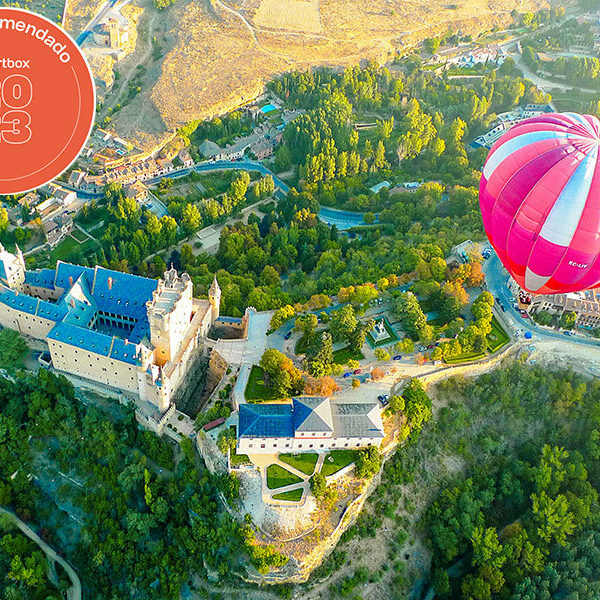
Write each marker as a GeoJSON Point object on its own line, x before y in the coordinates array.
{"type": "Point", "coordinates": [540, 202]}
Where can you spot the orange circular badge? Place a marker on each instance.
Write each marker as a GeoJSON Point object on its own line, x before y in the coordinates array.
{"type": "Point", "coordinates": [47, 100]}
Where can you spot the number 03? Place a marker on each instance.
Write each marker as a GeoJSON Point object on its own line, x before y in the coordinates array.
{"type": "Point", "coordinates": [16, 93]}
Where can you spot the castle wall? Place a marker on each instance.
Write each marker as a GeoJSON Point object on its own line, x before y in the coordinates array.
{"type": "Point", "coordinates": [36, 327]}
{"type": "Point", "coordinates": [96, 367]}
{"type": "Point", "coordinates": [303, 444]}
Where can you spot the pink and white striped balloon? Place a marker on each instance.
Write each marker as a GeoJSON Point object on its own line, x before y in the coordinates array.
{"type": "Point", "coordinates": [540, 202]}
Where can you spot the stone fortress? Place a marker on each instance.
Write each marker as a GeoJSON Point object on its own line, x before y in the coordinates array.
{"type": "Point", "coordinates": [127, 333]}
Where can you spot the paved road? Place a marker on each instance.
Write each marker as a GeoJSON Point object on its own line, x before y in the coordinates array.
{"type": "Point", "coordinates": [281, 188]}
{"type": "Point", "coordinates": [546, 85]}
{"type": "Point", "coordinates": [74, 592]}
{"type": "Point", "coordinates": [496, 278]}
{"type": "Point", "coordinates": [102, 12]}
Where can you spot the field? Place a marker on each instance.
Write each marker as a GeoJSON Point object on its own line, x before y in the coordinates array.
{"type": "Point", "coordinates": [204, 59]}
{"type": "Point", "coordinates": [336, 460]}
{"type": "Point", "coordinates": [51, 9]}
{"type": "Point", "coordinates": [464, 357]}
{"type": "Point", "coordinates": [256, 390]}
{"type": "Point", "coordinates": [290, 495]}
{"type": "Point", "coordinates": [293, 15]}
{"type": "Point", "coordinates": [278, 477]}
{"type": "Point", "coordinates": [302, 462]}
{"type": "Point", "coordinates": [70, 250]}
{"type": "Point", "coordinates": [343, 355]}
{"type": "Point", "coordinates": [497, 337]}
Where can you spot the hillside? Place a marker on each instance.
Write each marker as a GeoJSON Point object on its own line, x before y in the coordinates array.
{"type": "Point", "coordinates": [203, 58]}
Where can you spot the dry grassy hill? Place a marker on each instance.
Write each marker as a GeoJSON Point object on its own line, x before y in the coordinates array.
{"type": "Point", "coordinates": [204, 57]}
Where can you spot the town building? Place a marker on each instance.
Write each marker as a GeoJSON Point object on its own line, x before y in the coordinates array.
{"type": "Point", "coordinates": [508, 120]}
{"type": "Point", "coordinates": [309, 424]}
{"type": "Point", "coordinates": [137, 191]}
{"type": "Point", "coordinates": [125, 333]}
{"type": "Point", "coordinates": [262, 149]}
{"type": "Point", "coordinates": [185, 158]}
{"type": "Point", "coordinates": [586, 305]}
{"type": "Point", "coordinates": [111, 33]}
{"type": "Point", "coordinates": [56, 229]}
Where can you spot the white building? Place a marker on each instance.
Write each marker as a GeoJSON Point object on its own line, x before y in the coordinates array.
{"type": "Point", "coordinates": [124, 332]}
{"type": "Point", "coordinates": [309, 424]}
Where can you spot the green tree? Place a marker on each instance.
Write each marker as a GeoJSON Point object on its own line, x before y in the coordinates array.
{"type": "Point", "coordinates": [12, 349]}
{"type": "Point", "coordinates": [567, 320]}
{"type": "Point", "coordinates": [381, 354]}
{"type": "Point", "coordinates": [368, 462]}
{"type": "Point", "coordinates": [318, 485]}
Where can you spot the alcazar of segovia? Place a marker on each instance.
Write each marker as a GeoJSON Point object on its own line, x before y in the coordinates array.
{"type": "Point", "coordinates": [131, 333]}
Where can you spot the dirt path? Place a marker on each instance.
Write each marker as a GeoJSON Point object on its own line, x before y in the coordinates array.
{"type": "Point", "coordinates": [74, 592]}
{"type": "Point", "coordinates": [252, 30]}
{"type": "Point", "coordinates": [113, 97]}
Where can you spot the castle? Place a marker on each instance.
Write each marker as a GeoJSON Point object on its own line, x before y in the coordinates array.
{"type": "Point", "coordinates": [124, 332]}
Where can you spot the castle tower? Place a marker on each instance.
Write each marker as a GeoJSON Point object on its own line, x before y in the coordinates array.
{"type": "Point", "coordinates": [19, 255]}
{"type": "Point", "coordinates": [169, 314]}
{"type": "Point", "coordinates": [214, 298]}
{"type": "Point", "coordinates": [12, 268]}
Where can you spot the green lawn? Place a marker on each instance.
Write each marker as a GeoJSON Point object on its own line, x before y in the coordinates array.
{"type": "Point", "coordinates": [238, 460]}
{"type": "Point", "coordinates": [301, 345]}
{"type": "Point", "coordinates": [343, 355]}
{"type": "Point", "coordinates": [79, 235]}
{"type": "Point", "coordinates": [464, 357]}
{"type": "Point", "coordinates": [497, 337]}
{"type": "Point", "coordinates": [278, 477]}
{"type": "Point", "coordinates": [256, 390]}
{"type": "Point", "coordinates": [216, 183]}
{"type": "Point", "coordinates": [70, 250]}
{"type": "Point", "coordinates": [290, 495]}
{"type": "Point", "coordinates": [302, 462]}
{"type": "Point", "coordinates": [337, 460]}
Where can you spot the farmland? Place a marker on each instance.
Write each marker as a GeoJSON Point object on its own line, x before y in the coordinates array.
{"type": "Point", "coordinates": [208, 58]}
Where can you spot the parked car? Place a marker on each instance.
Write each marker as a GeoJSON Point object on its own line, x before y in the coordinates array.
{"type": "Point", "coordinates": [430, 347]}
{"type": "Point", "coordinates": [384, 402]}
{"type": "Point", "coordinates": [568, 333]}
{"type": "Point", "coordinates": [346, 375]}
{"type": "Point", "coordinates": [288, 335]}
{"type": "Point", "coordinates": [357, 371]}
{"type": "Point", "coordinates": [398, 357]}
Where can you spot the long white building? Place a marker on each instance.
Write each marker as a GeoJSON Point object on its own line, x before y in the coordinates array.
{"type": "Point", "coordinates": [308, 424]}
{"type": "Point", "coordinates": [125, 332]}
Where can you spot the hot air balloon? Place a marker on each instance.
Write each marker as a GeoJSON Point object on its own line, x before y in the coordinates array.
{"type": "Point", "coordinates": [540, 202]}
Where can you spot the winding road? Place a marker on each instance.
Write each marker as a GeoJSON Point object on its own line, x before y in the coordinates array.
{"type": "Point", "coordinates": [74, 592]}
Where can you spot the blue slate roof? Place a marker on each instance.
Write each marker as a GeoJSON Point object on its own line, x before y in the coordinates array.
{"type": "Point", "coordinates": [266, 420]}
{"type": "Point", "coordinates": [123, 352]}
{"type": "Point", "coordinates": [86, 339]}
{"type": "Point", "coordinates": [87, 291]}
{"type": "Point", "coordinates": [80, 315]}
{"type": "Point", "coordinates": [44, 278]}
{"type": "Point", "coordinates": [64, 271]}
{"type": "Point", "coordinates": [228, 320]}
{"type": "Point", "coordinates": [54, 312]}
{"type": "Point", "coordinates": [21, 302]}
{"type": "Point", "coordinates": [301, 413]}
{"type": "Point", "coordinates": [127, 295]}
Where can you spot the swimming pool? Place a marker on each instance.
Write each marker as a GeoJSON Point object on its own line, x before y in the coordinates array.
{"type": "Point", "coordinates": [267, 108]}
